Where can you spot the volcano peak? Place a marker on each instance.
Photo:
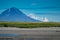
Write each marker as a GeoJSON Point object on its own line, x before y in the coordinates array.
{"type": "Point", "coordinates": [15, 15]}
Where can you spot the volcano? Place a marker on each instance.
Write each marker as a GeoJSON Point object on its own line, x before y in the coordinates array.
{"type": "Point", "coordinates": [15, 15]}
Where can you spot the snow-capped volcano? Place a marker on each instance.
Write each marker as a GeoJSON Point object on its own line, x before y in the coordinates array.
{"type": "Point", "coordinates": [15, 15]}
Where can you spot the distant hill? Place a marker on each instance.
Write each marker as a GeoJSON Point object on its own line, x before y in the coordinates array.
{"type": "Point", "coordinates": [15, 15]}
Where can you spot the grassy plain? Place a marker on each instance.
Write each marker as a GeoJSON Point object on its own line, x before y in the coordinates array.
{"type": "Point", "coordinates": [29, 24]}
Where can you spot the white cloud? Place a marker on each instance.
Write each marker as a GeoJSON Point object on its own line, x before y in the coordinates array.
{"type": "Point", "coordinates": [38, 18]}
{"type": "Point", "coordinates": [34, 16]}
{"type": "Point", "coordinates": [34, 4]}
{"type": "Point", "coordinates": [45, 19]}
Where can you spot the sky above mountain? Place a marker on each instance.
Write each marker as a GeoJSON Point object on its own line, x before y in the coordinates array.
{"type": "Point", "coordinates": [40, 8]}
{"type": "Point", "coordinates": [30, 4]}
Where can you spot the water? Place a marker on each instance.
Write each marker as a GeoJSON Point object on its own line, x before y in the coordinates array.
{"type": "Point", "coordinates": [6, 38]}
{"type": "Point", "coordinates": [10, 35]}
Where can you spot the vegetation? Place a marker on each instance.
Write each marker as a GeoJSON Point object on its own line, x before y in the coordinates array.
{"type": "Point", "coordinates": [29, 24]}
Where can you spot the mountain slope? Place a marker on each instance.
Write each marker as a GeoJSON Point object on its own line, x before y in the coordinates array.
{"type": "Point", "coordinates": [15, 15]}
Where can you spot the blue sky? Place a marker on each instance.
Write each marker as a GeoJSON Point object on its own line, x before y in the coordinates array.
{"type": "Point", "coordinates": [41, 8]}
